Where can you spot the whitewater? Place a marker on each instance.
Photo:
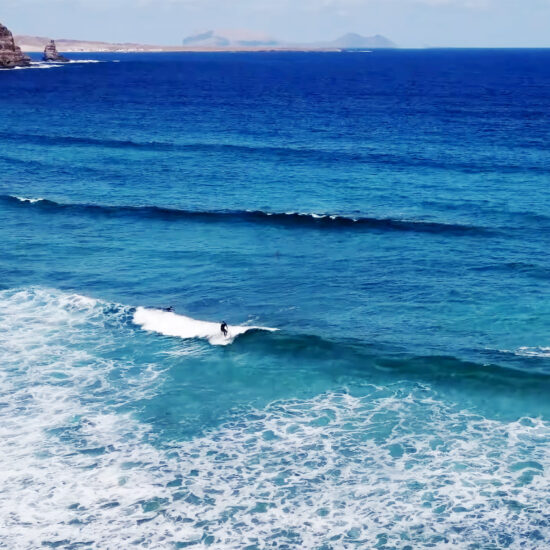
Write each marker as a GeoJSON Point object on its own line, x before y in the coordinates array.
{"type": "Point", "coordinates": [84, 471]}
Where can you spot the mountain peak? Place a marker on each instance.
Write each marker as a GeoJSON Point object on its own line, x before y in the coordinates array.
{"type": "Point", "coordinates": [353, 40]}
{"type": "Point", "coordinates": [228, 38]}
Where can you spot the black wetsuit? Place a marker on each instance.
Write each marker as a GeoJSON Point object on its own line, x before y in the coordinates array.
{"type": "Point", "coordinates": [224, 328]}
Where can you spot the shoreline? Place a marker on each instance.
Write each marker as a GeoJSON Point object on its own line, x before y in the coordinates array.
{"type": "Point", "coordinates": [173, 49]}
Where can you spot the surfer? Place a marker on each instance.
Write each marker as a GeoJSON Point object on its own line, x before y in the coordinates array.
{"type": "Point", "coordinates": [224, 328]}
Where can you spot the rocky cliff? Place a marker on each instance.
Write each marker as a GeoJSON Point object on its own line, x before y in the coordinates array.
{"type": "Point", "coordinates": [10, 54]}
{"type": "Point", "coordinates": [51, 54]}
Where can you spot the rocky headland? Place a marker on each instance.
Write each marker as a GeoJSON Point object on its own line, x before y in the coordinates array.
{"type": "Point", "coordinates": [10, 54]}
{"type": "Point", "coordinates": [51, 53]}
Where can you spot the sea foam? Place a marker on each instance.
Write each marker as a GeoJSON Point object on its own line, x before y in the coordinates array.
{"type": "Point", "coordinates": [39, 65]}
{"type": "Point", "coordinates": [391, 467]}
{"type": "Point", "coordinates": [29, 200]}
{"type": "Point", "coordinates": [55, 64]}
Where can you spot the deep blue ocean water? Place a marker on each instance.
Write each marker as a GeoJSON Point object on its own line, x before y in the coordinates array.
{"type": "Point", "coordinates": [387, 212]}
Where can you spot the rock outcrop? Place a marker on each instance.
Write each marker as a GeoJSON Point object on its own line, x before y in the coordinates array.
{"type": "Point", "coordinates": [10, 54]}
{"type": "Point", "coordinates": [51, 54]}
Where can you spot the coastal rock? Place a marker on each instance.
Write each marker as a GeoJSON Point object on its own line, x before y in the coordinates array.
{"type": "Point", "coordinates": [10, 54]}
{"type": "Point", "coordinates": [51, 54]}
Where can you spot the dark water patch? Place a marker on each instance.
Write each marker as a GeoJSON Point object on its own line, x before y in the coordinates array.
{"type": "Point", "coordinates": [288, 219]}
{"type": "Point", "coordinates": [60, 168]}
{"type": "Point", "coordinates": [358, 353]}
{"type": "Point", "coordinates": [76, 141]}
{"type": "Point", "coordinates": [285, 152]}
{"type": "Point", "coordinates": [484, 207]}
{"type": "Point", "coordinates": [533, 270]}
{"type": "Point", "coordinates": [494, 386]}
{"type": "Point", "coordinates": [260, 368]}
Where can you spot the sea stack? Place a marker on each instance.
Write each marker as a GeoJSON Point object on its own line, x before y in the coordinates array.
{"type": "Point", "coordinates": [50, 54]}
{"type": "Point", "coordinates": [11, 55]}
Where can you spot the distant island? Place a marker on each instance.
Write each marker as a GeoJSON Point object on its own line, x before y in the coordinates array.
{"type": "Point", "coordinates": [245, 39]}
{"type": "Point", "coordinates": [211, 40]}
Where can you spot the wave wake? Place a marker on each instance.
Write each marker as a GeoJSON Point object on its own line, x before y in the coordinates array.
{"type": "Point", "coordinates": [171, 324]}
{"type": "Point", "coordinates": [304, 219]}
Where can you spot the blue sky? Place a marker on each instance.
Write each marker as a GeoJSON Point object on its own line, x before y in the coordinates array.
{"type": "Point", "coordinates": [410, 23]}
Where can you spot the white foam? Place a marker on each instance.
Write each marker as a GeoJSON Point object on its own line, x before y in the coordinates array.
{"type": "Point", "coordinates": [533, 351]}
{"type": "Point", "coordinates": [25, 199]}
{"type": "Point", "coordinates": [527, 351]}
{"type": "Point", "coordinates": [56, 64]}
{"type": "Point", "coordinates": [389, 468]}
{"type": "Point", "coordinates": [85, 61]}
{"type": "Point", "coordinates": [48, 371]}
{"type": "Point", "coordinates": [172, 324]}
{"type": "Point", "coordinates": [39, 65]}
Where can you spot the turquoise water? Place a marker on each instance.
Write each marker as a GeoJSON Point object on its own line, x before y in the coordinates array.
{"type": "Point", "coordinates": [387, 213]}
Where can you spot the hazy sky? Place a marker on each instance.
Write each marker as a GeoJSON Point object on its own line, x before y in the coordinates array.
{"type": "Point", "coordinates": [410, 23]}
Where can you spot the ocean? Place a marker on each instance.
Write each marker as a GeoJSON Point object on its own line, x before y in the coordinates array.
{"type": "Point", "coordinates": [373, 226]}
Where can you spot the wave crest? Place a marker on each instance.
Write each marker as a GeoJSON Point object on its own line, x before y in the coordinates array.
{"type": "Point", "coordinates": [305, 219]}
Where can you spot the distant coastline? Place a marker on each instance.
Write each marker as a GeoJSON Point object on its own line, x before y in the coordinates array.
{"type": "Point", "coordinates": [142, 48]}
{"type": "Point", "coordinates": [194, 44]}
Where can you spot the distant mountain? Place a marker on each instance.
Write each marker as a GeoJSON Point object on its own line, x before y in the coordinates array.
{"type": "Point", "coordinates": [229, 38]}
{"type": "Point", "coordinates": [247, 39]}
{"type": "Point", "coordinates": [352, 40]}
{"type": "Point", "coordinates": [211, 40]}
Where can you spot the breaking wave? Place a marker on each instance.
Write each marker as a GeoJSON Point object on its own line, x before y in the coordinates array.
{"type": "Point", "coordinates": [30, 201]}
{"type": "Point", "coordinates": [316, 220]}
{"type": "Point", "coordinates": [539, 351]}
{"type": "Point", "coordinates": [171, 324]}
